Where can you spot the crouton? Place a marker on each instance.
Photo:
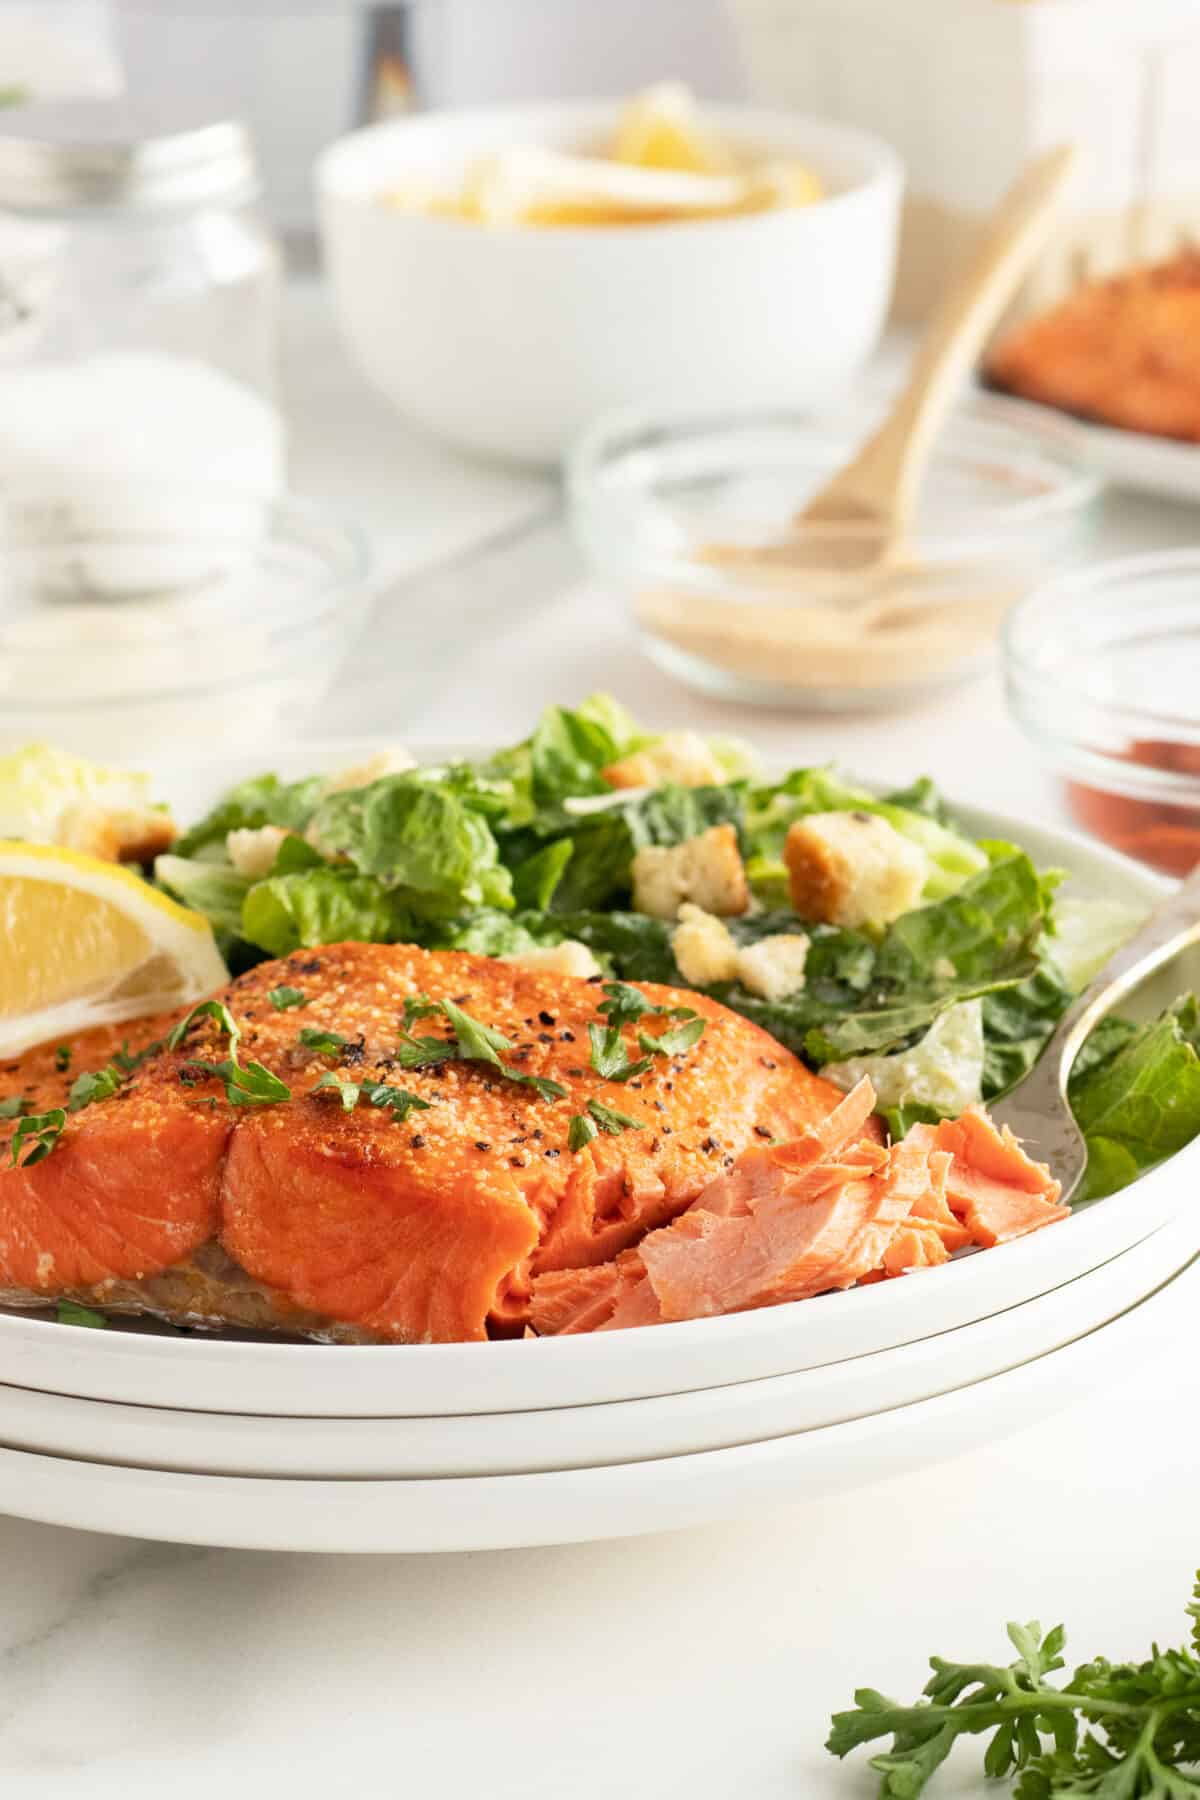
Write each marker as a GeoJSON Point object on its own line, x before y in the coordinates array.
{"type": "Point", "coordinates": [393, 761]}
{"type": "Point", "coordinates": [130, 834]}
{"type": "Point", "coordinates": [253, 852]}
{"type": "Point", "coordinates": [774, 967]}
{"type": "Point", "coordinates": [702, 947]}
{"type": "Point", "coordinates": [852, 869]}
{"type": "Point", "coordinates": [568, 958]}
{"type": "Point", "coordinates": [681, 757]}
{"type": "Point", "coordinates": [707, 870]}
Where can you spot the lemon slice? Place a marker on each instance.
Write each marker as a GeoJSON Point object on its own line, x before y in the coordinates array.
{"type": "Point", "coordinates": [85, 942]}
{"type": "Point", "coordinates": [659, 129]}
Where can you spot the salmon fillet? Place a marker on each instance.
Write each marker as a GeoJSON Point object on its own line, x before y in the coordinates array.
{"type": "Point", "coordinates": [1124, 351]}
{"type": "Point", "coordinates": [301, 1216]}
{"type": "Point", "coordinates": [827, 1211]}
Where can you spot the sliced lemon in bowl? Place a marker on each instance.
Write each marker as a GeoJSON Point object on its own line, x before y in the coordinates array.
{"type": "Point", "coordinates": [660, 129]}
{"type": "Point", "coordinates": [85, 942]}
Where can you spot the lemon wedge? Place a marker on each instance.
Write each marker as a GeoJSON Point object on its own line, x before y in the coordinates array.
{"type": "Point", "coordinates": [86, 942]}
{"type": "Point", "coordinates": [660, 129]}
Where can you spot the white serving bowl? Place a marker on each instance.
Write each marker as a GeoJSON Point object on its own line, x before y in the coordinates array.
{"type": "Point", "coordinates": [553, 1439]}
{"type": "Point", "coordinates": [508, 340]}
{"type": "Point", "coordinates": [581, 1505]}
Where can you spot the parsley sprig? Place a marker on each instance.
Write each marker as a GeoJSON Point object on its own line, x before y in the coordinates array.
{"type": "Point", "coordinates": [472, 1042]}
{"type": "Point", "coordinates": [1115, 1731]}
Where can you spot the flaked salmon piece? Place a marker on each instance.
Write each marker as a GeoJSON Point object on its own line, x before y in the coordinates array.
{"type": "Point", "coordinates": [792, 1220]}
{"type": "Point", "coordinates": [568, 1301]}
{"type": "Point", "coordinates": [993, 1186]}
{"type": "Point", "coordinates": [803, 1231]}
{"type": "Point", "coordinates": [399, 1231]}
{"type": "Point", "coordinates": [933, 1208]}
{"type": "Point", "coordinates": [916, 1245]}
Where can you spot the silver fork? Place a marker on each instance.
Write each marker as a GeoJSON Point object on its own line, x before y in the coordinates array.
{"type": "Point", "coordinates": [1037, 1109]}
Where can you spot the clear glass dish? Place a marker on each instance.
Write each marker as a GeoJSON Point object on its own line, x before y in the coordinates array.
{"type": "Point", "coordinates": [145, 620]}
{"type": "Point", "coordinates": [693, 521]}
{"type": "Point", "coordinates": [1102, 670]}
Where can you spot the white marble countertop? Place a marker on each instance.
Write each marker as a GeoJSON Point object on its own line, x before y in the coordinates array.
{"type": "Point", "coordinates": [687, 1667]}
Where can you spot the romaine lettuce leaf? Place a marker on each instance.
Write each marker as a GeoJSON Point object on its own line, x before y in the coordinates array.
{"type": "Point", "coordinates": [1016, 1023]}
{"type": "Point", "coordinates": [942, 1071]}
{"type": "Point", "coordinates": [1139, 1102]}
{"type": "Point", "coordinates": [1086, 932]}
{"type": "Point", "coordinates": [323, 906]}
{"type": "Point", "coordinates": [490, 933]}
{"type": "Point", "coordinates": [212, 888]}
{"type": "Point", "coordinates": [982, 938]}
{"type": "Point", "coordinates": [605, 840]}
{"type": "Point", "coordinates": [265, 800]}
{"type": "Point", "coordinates": [418, 840]}
{"type": "Point", "coordinates": [535, 879]}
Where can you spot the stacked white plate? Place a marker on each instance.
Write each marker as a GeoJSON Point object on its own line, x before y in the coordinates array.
{"type": "Point", "coordinates": [470, 1446]}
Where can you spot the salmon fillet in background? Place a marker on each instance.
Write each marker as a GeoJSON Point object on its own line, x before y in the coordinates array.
{"type": "Point", "coordinates": [302, 1217]}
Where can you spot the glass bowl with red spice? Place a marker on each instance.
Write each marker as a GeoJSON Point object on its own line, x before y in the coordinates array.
{"type": "Point", "coordinates": [1102, 669]}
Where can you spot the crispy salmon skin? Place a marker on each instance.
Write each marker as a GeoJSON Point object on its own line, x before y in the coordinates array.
{"type": "Point", "coordinates": [423, 1228]}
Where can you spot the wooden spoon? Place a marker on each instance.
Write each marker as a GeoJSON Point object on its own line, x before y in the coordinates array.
{"type": "Point", "coordinates": [861, 519]}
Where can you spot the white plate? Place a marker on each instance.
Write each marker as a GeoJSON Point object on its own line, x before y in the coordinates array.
{"type": "Point", "coordinates": [304, 1380]}
{"type": "Point", "coordinates": [578, 1506]}
{"type": "Point", "coordinates": [1127, 459]}
{"type": "Point", "coordinates": [589, 1436]}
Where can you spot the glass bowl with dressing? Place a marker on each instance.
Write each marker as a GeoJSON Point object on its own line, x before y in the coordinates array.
{"type": "Point", "coordinates": [694, 520]}
{"type": "Point", "coordinates": [1102, 672]}
{"type": "Point", "coordinates": [147, 620]}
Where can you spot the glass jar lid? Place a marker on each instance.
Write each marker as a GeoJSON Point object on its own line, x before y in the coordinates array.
{"type": "Point", "coordinates": [111, 156]}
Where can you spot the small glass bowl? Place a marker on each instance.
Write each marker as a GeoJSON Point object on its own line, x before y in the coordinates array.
{"type": "Point", "coordinates": [1102, 669]}
{"type": "Point", "coordinates": [677, 515]}
{"type": "Point", "coordinates": [139, 620]}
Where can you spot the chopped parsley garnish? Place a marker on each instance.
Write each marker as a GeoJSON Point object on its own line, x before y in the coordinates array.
{"type": "Point", "coordinates": [625, 1005]}
{"type": "Point", "coordinates": [612, 1121]}
{"type": "Point", "coordinates": [227, 1025]}
{"type": "Point", "coordinates": [36, 1136]}
{"type": "Point", "coordinates": [13, 1106]}
{"type": "Point", "coordinates": [127, 1064]}
{"type": "Point", "coordinates": [420, 1006]}
{"type": "Point", "coordinates": [610, 1059]}
{"type": "Point", "coordinates": [325, 1043]}
{"type": "Point", "coordinates": [580, 1131]}
{"type": "Point", "coordinates": [283, 999]}
{"type": "Point", "coordinates": [99, 1084]}
{"type": "Point", "coordinates": [246, 1084]}
{"type": "Point", "coordinates": [62, 1058]}
{"type": "Point", "coordinates": [347, 1091]}
{"type": "Point", "coordinates": [472, 1042]}
{"type": "Point", "coordinates": [397, 1101]}
{"type": "Point", "coordinates": [71, 1313]}
{"type": "Point", "coordinates": [673, 1042]}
